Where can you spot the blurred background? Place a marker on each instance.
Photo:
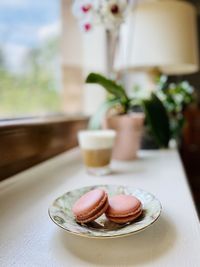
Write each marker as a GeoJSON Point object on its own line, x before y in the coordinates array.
{"type": "Point", "coordinates": [44, 59]}
{"type": "Point", "coordinates": [29, 57]}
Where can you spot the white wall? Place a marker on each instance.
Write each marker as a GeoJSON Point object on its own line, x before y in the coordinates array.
{"type": "Point", "coordinates": [82, 52]}
{"type": "Point", "coordinates": [94, 60]}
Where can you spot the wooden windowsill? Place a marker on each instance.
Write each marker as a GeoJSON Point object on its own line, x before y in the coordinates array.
{"type": "Point", "coordinates": [28, 141]}
{"type": "Point", "coordinates": [39, 120]}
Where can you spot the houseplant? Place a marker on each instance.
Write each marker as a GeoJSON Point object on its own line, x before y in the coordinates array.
{"type": "Point", "coordinates": [126, 115]}
{"type": "Point", "coordinates": [175, 98]}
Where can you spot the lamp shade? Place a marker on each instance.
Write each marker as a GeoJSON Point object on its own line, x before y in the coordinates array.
{"type": "Point", "coordinates": [160, 34]}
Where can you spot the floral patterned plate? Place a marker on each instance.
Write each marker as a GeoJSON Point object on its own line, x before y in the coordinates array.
{"type": "Point", "coordinates": [61, 214]}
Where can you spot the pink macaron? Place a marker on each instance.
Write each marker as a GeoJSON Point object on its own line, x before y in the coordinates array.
{"type": "Point", "coordinates": [123, 209]}
{"type": "Point", "coordinates": [90, 206]}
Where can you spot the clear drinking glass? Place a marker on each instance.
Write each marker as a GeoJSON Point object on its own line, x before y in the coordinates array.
{"type": "Point", "coordinates": [96, 148]}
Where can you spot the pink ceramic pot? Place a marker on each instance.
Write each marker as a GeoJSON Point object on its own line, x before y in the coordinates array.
{"type": "Point", "coordinates": [129, 129]}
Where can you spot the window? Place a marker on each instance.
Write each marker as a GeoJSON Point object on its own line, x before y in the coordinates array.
{"type": "Point", "coordinates": [44, 59]}
{"type": "Point", "coordinates": [30, 82]}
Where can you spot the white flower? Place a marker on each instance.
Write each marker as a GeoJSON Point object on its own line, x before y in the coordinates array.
{"type": "Point", "coordinates": [85, 12]}
{"type": "Point", "coordinates": [110, 13]}
{"type": "Point", "coordinates": [86, 24]}
{"type": "Point", "coordinates": [113, 12]}
{"type": "Point", "coordinates": [82, 8]}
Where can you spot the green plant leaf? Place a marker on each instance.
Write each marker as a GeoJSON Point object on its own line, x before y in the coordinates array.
{"type": "Point", "coordinates": [111, 86]}
{"type": "Point", "coordinates": [158, 120]}
{"type": "Point", "coordinates": [96, 119]}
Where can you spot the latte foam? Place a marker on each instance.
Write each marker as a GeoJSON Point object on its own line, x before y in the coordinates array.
{"type": "Point", "coordinates": [96, 139]}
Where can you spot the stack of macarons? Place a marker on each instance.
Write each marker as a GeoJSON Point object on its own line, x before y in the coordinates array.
{"type": "Point", "coordinates": [120, 209]}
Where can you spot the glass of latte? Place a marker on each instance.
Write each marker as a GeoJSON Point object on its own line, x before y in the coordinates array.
{"type": "Point", "coordinates": [96, 147]}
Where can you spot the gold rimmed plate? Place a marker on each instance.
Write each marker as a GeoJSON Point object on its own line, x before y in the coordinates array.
{"type": "Point", "coordinates": [61, 213]}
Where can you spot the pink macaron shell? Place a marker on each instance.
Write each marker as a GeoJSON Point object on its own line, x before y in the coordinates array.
{"type": "Point", "coordinates": [123, 205]}
{"type": "Point", "coordinates": [88, 201]}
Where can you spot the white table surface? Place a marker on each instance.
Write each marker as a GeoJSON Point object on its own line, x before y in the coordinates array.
{"type": "Point", "coordinates": [29, 238]}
